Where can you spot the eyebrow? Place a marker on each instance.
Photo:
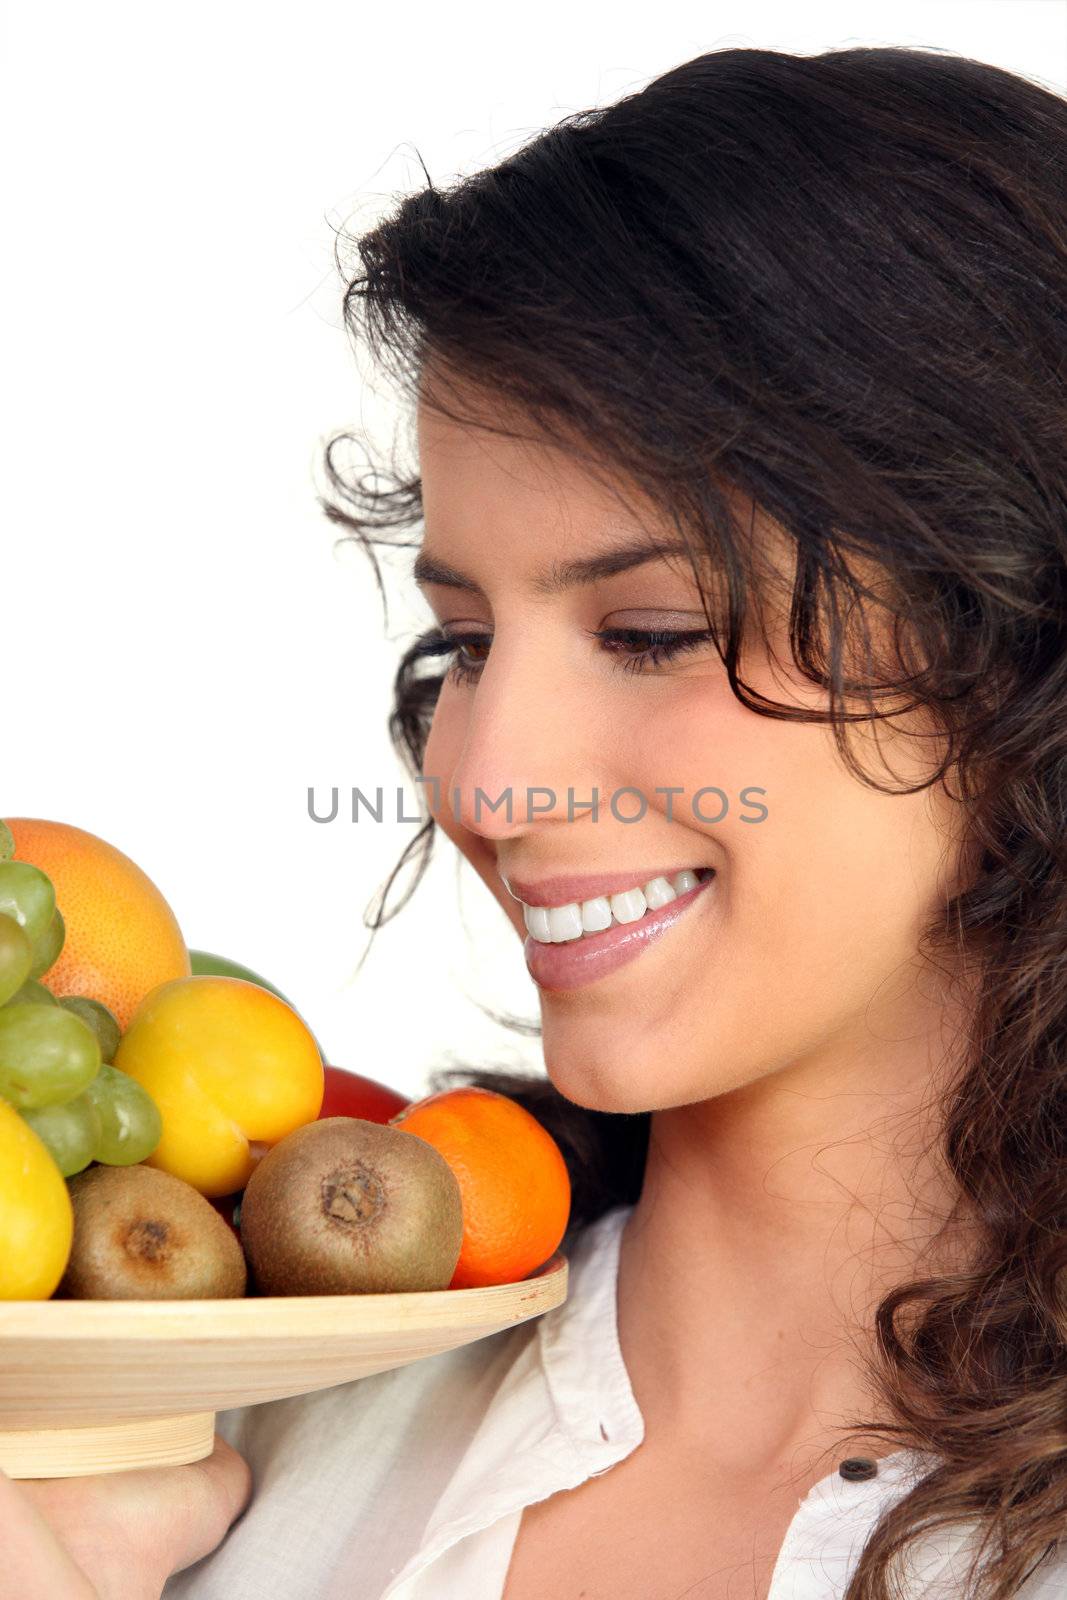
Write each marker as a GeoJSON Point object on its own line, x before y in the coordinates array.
{"type": "Point", "coordinates": [559, 576]}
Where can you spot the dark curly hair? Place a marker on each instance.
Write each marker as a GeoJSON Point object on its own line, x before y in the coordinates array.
{"type": "Point", "coordinates": [838, 284]}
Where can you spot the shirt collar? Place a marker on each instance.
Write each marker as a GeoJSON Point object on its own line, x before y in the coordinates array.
{"type": "Point", "coordinates": [564, 1411]}
{"type": "Point", "coordinates": [595, 1405]}
{"type": "Point", "coordinates": [581, 1357]}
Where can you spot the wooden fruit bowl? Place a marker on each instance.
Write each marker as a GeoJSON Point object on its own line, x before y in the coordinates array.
{"type": "Point", "coordinates": [106, 1385]}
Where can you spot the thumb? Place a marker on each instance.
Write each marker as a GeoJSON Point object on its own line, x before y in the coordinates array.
{"type": "Point", "coordinates": [128, 1531]}
{"type": "Point", "coordinates": [218, 1489]}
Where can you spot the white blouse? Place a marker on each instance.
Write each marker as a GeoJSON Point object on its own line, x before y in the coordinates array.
{"type": "Point", "coordinates": [410, 1484]}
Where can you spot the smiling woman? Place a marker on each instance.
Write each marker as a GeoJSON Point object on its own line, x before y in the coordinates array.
{"type": "Point", "coordinates": [821, 381]}
{"type": "Point", "coordinates": [742, 469]}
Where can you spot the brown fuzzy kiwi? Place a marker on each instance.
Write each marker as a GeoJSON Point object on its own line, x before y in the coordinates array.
{"type": "Point", "coordinates": [346, 1206]}
{"type": "Point", "coordinates": [142, 1234]}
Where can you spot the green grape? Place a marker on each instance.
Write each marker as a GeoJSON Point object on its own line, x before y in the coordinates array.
{"type": "Point", "coordinates": [103, 1022]}
{"type": "Point", "coordinates": [47, 1055]}
{"type": "Point", "coordinates": [70, 1132]}
{"type": "Point", "coordinates": [26, 894]}
{"type": "Point", "coordinates": [46, 949]}
{"type": "Point", "coordinates": [131, 1125]}
{"type": "Point", "coordinates": [16, 958]}
{"type": "Point", "coordinates": [33, 993]}
{"type": "Point", "coordinates": [7, 842]}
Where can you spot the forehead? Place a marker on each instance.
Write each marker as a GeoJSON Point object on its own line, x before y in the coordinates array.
{"type": "Point", "coordinates": [504, 503]}
{"type": "Point", "coordinates": [489, 460]}
{"type": "Point", "coordinates": [490, 476]}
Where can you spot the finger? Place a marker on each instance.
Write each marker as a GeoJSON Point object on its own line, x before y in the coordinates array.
{"type": "Point", "coordinates": [218, 1489]}
{"type": "Point", "coordinates": [130, 1530]}
{"type": "Point", "coordinates": [34, 1561]}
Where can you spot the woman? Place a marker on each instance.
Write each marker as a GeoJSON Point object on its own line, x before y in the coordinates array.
{"type": "Point", "coordinates": [742, 478]}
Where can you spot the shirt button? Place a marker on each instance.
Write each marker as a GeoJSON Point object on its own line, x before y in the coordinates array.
{"type": "Point", "coordinates": [857, 1468]}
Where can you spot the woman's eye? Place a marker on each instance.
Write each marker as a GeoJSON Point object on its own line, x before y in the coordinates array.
{"type": "Point", "coordinates": [635, 649]}
{"type": "Point", "coordinates": [460, 668]}
{"type": "Point", "coordinates": [645, 648]}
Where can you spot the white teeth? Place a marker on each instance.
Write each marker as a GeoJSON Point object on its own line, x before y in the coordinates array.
{"type": "Point", "coordinates": [559, 924]}
{"type": "Point", "coordinates": [629, 905]}
{"type": "Point", "coordinates": [596, 914]}
{"type": "Point", "coordinates": [536, 919]}
{"type": "Point", "coordinates": [564, 922]}
{"type": "Point", "coordinates": [659, 893]}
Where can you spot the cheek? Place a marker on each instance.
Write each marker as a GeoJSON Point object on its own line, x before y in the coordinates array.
{"type": "Point", "coordinates": [828, 893]}
{"type": "Point", "coordinates": [700, 738]}
{"type": "Point", "coordinates": [435, 763]}
{"type": "Point", "coordinates": [444, 746]}
{"type": "Point", "coordinates": [445, 739]}
{"type": "Point", "coordinates": [441, 757]}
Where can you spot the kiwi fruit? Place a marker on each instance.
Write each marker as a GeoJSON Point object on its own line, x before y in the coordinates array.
{"type": "Point", "coordinates": [347, 1206]}
{"type": "Point", "coordinates": [143, 1234]}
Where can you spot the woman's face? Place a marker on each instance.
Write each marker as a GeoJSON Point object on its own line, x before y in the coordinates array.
{"type": "Point", "coordinates": [821, 885]}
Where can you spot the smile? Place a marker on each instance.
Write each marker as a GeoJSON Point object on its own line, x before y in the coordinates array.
{"type": "Point", "coordinates": [583, 956]}
{"type": "Point", "coordinates": [580, 918]}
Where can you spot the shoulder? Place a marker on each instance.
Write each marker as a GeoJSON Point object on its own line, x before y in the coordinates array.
{"type": "Point", "coordinates": [349, 1474]}
{"type": "Point", "coordinates": [937, 1561]}
{"type": "Point", "coordinates": [355, 1472]}
{"type": "Point", "coordinates": [442, 1396]}
{"type": "Point", "coordinates": [1048, 1580]}
{"type": "Point", "coordinates": [447, 1392]}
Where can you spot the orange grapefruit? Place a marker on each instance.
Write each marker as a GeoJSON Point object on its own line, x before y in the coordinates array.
{"type": "Point", "coordinates": [513, 1181]}
{"type": "Point", "coordinates": [122, 938]}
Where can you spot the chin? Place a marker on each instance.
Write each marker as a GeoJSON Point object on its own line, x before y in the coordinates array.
{"type": "Point", "coordinates": [594, 1083]}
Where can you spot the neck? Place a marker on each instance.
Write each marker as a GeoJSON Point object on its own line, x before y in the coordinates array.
{"type": "Point", "coordinates": [772, 1220]}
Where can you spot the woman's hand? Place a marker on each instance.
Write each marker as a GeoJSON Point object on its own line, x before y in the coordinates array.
{"type": "Point", "coordinates": [116, 1535]}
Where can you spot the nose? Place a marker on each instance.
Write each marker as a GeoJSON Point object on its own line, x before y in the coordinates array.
{"type": "Point", "coordinates": [528, 755]}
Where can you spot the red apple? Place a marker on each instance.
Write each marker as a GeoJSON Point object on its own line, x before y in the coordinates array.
{"type": "Point", "coordinates": [349, 1094]}
{"type": "Point", "coordinates": [226, 1205]}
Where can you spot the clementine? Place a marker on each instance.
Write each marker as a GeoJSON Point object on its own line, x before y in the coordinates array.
{"type": "Point", "coordinates": [513, 1181]}
{"type": "Point", "coordinates": [122, 938]}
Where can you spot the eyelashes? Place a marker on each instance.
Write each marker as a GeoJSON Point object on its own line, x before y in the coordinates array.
{"type": "Point", "coordinates": [656, 645]}
{"type": "Point", "coordinates": [634, 649]}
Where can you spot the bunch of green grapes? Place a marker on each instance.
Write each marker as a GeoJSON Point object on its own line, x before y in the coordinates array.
{"type": "Point", "coordinates": [56, 1053]}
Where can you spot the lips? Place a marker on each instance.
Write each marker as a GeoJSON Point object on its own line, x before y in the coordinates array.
{"type": "Point", "coordinates": [567, 887]}
{"type": "Point", "coordinates": [579, 962]}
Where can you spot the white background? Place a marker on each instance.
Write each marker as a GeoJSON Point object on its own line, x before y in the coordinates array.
{"type": "Point", "coordinates": [183, 654]}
